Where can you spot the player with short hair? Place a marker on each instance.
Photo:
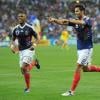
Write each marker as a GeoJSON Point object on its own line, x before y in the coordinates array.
{"type": "Point", "coordinates": [23, 32]}
{"type": "Point", "coordinates": [83, 28]}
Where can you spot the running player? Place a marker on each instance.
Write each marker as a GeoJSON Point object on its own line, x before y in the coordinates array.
{"type": "Point", "coordinates": [83, 28]}
{"type": "Point", "coordinates": [23, 32]}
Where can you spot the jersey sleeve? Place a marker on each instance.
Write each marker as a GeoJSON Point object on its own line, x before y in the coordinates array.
{"type": "Point", "coordinates": [34, 33]}
{"type": "Point", "coordinates": [87, 22]}
{"type": "Point", "coordinates": [71, 24]}
{"type": "Point", "coordinates": [13, 35]}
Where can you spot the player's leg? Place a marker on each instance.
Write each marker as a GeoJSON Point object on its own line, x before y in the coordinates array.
{"type": "Point", "coordinates": [76, 79]}
{"type": "Point", "coordinates": [65, 43]}
{"type": "Point", "coordinates": [91, 68]}
{"type": "Point", "coordinates": [35, 62]}
{"type": "Point", "coordinates": [26, 74]}
{"type": "Point", "coordinates": [81, 62]}
{"type": "Point", "coordinates": [26, 57]}
{"type": "Point", "coordinates": [77, 76]}
{"type": "Point", "coordinates": [82, 57]}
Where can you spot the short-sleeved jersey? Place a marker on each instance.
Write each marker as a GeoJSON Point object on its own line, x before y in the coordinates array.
{"type": "Point", "coordinates": [84, 34]}
{"type": "Point", "coordinates": [24, 35]}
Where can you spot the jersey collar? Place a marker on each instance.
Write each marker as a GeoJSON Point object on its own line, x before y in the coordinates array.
{"type": "Point", "coordinates": [22, 26]}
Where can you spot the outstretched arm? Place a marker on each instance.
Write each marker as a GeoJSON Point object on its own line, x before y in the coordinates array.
{"type": "Point", "coordinates": [65, 21]}
{"type": "Point", "coordinates": [75, 21]}
{"type": "Point", "coordinates": [58, 21]}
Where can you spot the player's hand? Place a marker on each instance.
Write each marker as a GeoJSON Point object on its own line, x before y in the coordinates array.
{"type": "Point", "coordinates": [14, 49]}
{"type": "Point", "coordinates": [50, 19]}
{"type": "Point", "coordinates": [34, 44]}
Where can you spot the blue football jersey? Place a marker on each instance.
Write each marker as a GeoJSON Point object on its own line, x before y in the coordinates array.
{"type": "Point", "coordinates": [24, 35]}
{"type": "Point", "coordinates": [84, 34]}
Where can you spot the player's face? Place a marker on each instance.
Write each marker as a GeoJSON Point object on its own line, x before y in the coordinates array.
{"type": "Point", "coordinates": [78, 12]}
{"type": "Point", "coordinates": [21, 18]}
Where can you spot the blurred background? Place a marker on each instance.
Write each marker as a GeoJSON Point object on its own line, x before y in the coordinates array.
{"type": "Point", "coordinates": [37, 13]}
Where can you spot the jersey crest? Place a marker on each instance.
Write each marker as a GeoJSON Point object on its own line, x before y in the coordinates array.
{"type": "Point", "coordinates": [17, 32]}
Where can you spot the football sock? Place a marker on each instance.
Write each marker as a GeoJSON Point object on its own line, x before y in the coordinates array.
{"type": "Point", "coordinates": [27, 79]}
{"type": "Point", "coordinates": [93, 68]}
{"type": "Point", "coordinates": [75, 81]}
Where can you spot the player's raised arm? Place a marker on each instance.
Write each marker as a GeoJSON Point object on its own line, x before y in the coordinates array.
{"type": "Point", "coordinates": [75, 21]}
{"type": "Point", "coordinates": [65, 21]}
{"type": "Point", "coordinates": [58, 21]}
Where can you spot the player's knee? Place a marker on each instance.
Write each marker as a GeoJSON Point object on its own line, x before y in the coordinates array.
{"type": "Point", "coordinates": [85, 69]}
{"type": "Point", "coordinates": [24, 68]}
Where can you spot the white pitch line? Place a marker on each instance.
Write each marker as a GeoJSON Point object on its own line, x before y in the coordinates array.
{"type": "Point", "coordinates": [12, 74]}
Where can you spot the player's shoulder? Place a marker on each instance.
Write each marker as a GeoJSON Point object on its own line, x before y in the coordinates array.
{"type": "Point", "coordinates": [15, 27]}
{"type": "Point", "coordinates": [28, 25]}
{"type": "Point", "coordinates": [86, 18]}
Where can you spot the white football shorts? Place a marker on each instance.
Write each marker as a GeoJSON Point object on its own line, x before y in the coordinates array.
{"type": "Point", "coordinates": [26, 56]}
{"type": "Point", "coordinates": [85, 56]}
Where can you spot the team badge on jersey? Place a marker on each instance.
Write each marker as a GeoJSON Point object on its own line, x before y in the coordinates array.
{"type": "Point", "coordinates": [17, 32]}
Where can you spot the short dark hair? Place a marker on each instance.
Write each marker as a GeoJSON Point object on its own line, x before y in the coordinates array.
{"type": "Point", "coordinates": [21, 10]}
{"type": "Point", "coordinates": [81, 7]}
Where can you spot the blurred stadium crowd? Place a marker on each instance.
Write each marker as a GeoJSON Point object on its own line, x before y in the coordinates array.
{"type": "Point", "coordinates": [39, 10]}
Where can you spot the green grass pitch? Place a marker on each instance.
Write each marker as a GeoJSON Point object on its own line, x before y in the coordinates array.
{"type": "Point", "coordinates": [54, 77]}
